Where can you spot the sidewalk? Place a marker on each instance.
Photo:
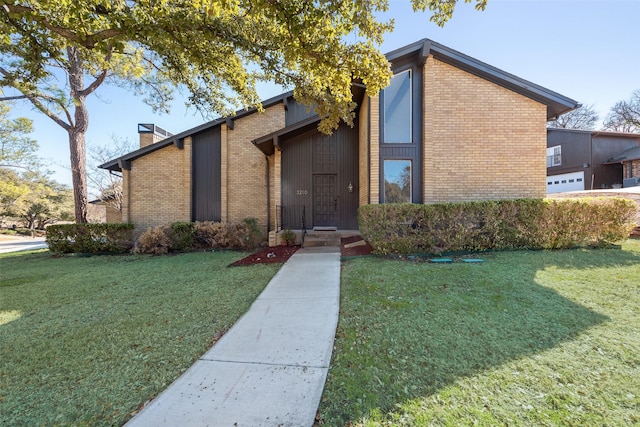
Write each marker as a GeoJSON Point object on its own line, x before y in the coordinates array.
{"type": "Point", "coordinates": [270, 368]}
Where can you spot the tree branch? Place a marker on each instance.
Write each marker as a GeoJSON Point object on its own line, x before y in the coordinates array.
{"type": "Point", "coordinates": [12, 98]}
{"type": "Point", "coordinates": [34, 99]}
{"type": "Point", "coordinates": [99, 80]}
{"type": "Point", "coordinates": [89, 41]}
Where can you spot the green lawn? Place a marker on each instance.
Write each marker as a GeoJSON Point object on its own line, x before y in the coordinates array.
{"type": "Point", "coordinates": [526, 338]}
{"type": "Point", "coordinates": [87, 340]}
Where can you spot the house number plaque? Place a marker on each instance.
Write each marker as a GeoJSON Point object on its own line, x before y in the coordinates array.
{"type": "Point", "coordinates": [302, 192]}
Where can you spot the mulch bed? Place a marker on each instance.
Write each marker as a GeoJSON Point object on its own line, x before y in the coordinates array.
{"type": "Point", "coordinates": [356, 250]}
{"type": "Point", "coordinates": [283, 253]}
{"type": "Point", "coordinates": [268, 256]}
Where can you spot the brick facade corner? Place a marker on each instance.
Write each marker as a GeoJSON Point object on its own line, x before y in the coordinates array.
{"type": "Point", "coordinates": [246, 181]}
{"type": "Point", "coordinates": [481, 141]}
{"type": "Point", "coordinates": [363, 150]}
{"type": "Point", "coordinates": [374, 147]}
{"type": "Point", "coordinates": [159, 187]}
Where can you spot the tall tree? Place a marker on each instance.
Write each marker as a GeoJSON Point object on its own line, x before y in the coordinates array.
{"type": "Point", "coordinates": [625, 115]}
{"type": "Point", "coordinates": [34, 197]}
{"type": "Point", "coordinates": [17, 150]}
{"type": "Point", "coordinates": [584, 117]}
{"type": "Point", "coordinates": [217, 49]}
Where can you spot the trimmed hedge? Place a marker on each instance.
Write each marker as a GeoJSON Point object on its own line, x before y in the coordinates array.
{"type": "Point", "coordinates": [90, 238]}
{"type": "Point", "coordinates": [185, 236]}
{"type": "Point", "coordinates": [503, 224]}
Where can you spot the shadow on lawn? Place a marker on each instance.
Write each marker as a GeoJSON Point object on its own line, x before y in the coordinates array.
{"type": "Point", "coordinates": [409, 329]}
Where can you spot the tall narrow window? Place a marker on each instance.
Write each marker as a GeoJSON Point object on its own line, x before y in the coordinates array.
{"type": "Point", "coordinates": [397, 109]}
{"type": "Point", "coordinates": [397, 181]}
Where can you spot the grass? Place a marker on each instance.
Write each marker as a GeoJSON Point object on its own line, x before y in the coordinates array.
{"type": "Point", "coordinates": [87, 340]}
{"type": "Point", "coordinates": [526, 338]}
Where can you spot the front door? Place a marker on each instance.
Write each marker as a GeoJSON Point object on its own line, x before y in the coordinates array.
{"type": "Point", "coordinates": [325, 200]}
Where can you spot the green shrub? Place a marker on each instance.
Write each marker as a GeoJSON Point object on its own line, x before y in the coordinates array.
{"type": "Point", "coordinates": [90, 238]}
{"type": "Point", "coordinates": [155, 241]}
{"type": "Point", "coordinates": [181, 235]}
{"type": "Point", "coordinates": [504, 224]}
{"type": "Point", "coordinates": [254, 236]}
{"type": "Point", "coordinates": [288, 237]}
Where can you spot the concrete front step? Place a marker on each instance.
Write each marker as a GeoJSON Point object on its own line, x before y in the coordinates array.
{"type": "Point", "coordinates": [314, 240]}
{"type": "Point", "coordinates": [317, 238]}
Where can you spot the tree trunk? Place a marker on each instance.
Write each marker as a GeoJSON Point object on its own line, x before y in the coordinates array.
{"type": "Point", "coordinates": [77, 134]}
{"type": "Point", "coordinates": [78, 173]}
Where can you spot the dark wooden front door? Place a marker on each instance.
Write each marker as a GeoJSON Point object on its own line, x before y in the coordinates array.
{"type": "Point", "coordinates": [325, 200]}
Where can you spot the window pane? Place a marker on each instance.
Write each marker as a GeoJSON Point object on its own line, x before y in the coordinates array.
{"type": "Point", "coordinates": [397, 181]}
{"type": "Point", "coordinates": [397, 109]}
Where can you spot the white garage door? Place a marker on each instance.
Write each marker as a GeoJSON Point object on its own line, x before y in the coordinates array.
{"type": "Point", "coordinates": [566, 182]}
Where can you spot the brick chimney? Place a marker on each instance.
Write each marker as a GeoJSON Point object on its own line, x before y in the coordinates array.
{"type": "Point", "coordinates": [150, 134]}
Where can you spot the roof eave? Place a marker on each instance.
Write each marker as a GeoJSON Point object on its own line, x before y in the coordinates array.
{"type": "Point", "coordinates": [114, 165]}
{"type": "Point", "coordinates": [556, 103]}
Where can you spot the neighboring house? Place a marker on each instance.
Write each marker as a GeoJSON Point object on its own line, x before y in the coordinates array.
{"type": "Point", "coordinates": [449, 128]}
{"type": "Point", "coordinates": [630, 161]}
{"type": "Point", "coordinates": [105, 211]}
{"type": "Point", "coordinates": [584, 160]}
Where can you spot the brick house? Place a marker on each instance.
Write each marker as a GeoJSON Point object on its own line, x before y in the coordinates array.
{"type": "Point", "coordinates": [449, 128]}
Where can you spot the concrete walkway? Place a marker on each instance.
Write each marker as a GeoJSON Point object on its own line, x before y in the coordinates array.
{"type": "Point", "coordinates": [270, 368]}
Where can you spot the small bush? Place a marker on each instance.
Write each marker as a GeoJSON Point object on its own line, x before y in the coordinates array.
{"type": "Point", "coordinates": [210, 234]}
{"type": "Point", "coordinates": [288, 237]}
{"type": "Point", "coordinates": [90, 238]}
{"type": "Point", "coordinates": [155, 240]}
{"type": "Point", "coordinates": [254, 236]}
{"type": "Point", "coordinates": [243, 235]}
{"type": "Point", "coordinates": [181, 235]}
{"type": "Point", "coordinates": [506, 224]}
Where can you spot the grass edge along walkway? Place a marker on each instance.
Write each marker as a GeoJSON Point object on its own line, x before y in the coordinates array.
{"type": "Point", "coordinates": [526, 338]}
{"type": "Point", "coordinates": [87, 340]}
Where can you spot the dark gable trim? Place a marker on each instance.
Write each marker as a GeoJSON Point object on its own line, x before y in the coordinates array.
{"type": "Point", "coordinates": [556, 104]}
{"type": "Point", "coordinates": [268, 143]}
{"type": "Point", "coordinates": [178, 139]}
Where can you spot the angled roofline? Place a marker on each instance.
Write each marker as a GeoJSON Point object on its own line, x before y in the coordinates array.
{"type": "Point", "coordinates": [626, 156]}
{"type": "Point", "coordinates": [123, 162]}
{"type": "Point", "coordinates": [597, 133]}
{"type": "Point", "coordinates": [268, 143]}
{"type": "Point", "coordinates": [556, 103]}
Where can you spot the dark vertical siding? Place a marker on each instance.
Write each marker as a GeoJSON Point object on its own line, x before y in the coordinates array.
{"type": "Point", "coordinates": [296, 112]}
{"type": "Point", "coordinates": [206, 191]}
{"type": "Point", "coordinates": [297, 184]}
{"type": "Point", "coordinates": [348, 173]}
{"type": "Point", "coordinates": [309, 154]}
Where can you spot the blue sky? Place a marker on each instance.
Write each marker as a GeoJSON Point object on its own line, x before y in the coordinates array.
{"type": "Point", "coordinates": [587, 50]}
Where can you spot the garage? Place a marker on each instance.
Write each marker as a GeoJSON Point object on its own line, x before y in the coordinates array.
{"type": "Point", "coordinates": [573, 181]}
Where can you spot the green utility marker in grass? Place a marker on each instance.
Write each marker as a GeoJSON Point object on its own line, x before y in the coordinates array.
{"type": "Point", "coordinates": [441, 260]}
